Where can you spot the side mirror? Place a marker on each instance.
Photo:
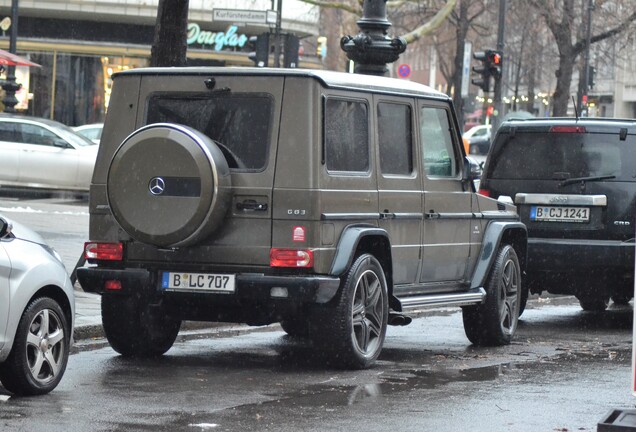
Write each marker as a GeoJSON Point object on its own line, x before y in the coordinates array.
{"type": "Point", "coordinates": [5, 228]}
{"type": "Point", "coordinates": [472, 169]}
{"type": "Point", "coordinates": [59, 142]}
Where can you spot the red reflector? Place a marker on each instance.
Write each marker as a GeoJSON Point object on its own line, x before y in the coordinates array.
{"type": "Point", "coordinates": [484, 192]}
{"type": "Point", "coordinates": [291, 258]}
{"type": "Point", "coordinates": [104, 251]}
{"type": "Point", "coordinates": [567, 129]}
{"type": "Point", "coordinates": [112, 285]}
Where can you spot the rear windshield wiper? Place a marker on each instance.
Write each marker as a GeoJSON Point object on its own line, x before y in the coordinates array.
{"type": "Point", "coordinates": [585, 179]}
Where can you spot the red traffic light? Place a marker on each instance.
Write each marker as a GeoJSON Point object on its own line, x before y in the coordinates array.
{"type": "Point", "coordinates": [490, 110]}
{"type": "Point", "coordinates": [494, 58]}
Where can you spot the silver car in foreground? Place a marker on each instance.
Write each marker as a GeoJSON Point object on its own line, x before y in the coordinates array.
{"type": "Point", "coordinates": [37, 306]}
{"type": "Point", "coordinates": [44, 154]}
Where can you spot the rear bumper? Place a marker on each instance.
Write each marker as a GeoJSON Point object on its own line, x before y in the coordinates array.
{"type": "Point", "coordinates": [249, 286]}
{"type": "Point", "coordinates": [579, 256]}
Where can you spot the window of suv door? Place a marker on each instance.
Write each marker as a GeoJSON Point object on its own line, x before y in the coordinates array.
{"type": "Point", "coordinates": [395, 138]}
{"type": "Point", "coordinates": [437, 143]}
{"type": "Point", "coordinates": [239, 122]}
{"type": "Point", "coordinates": [346, 135]}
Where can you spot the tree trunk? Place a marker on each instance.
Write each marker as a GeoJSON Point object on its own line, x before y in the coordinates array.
{"type": "Point", "coordinates": [561, 96]}
{"type": "Point", "coordinates": [532, 74]}
{"type": "Point", "coordinates": [462, 31]}
{"type": "Point", "coordinates": [169, 46]}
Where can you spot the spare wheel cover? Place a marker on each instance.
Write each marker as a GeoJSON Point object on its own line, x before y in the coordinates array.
{"type": "Point", "coordinates": [168, 185]}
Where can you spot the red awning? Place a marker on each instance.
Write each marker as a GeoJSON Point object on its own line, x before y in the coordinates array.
{"type": "Point", "coordinates": [9, 59]}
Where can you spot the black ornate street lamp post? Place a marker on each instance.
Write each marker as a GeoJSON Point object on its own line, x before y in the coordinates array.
{"type": "Point", "coordinates": [372, 49]}
{"type": "Point", "coordinates": [9, 85]}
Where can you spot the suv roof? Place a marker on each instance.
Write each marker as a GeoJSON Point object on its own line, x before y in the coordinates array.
{"type": "Point", "coordinates": [330, 79]}
{"type": "Point", "coordinates": [592, 124]}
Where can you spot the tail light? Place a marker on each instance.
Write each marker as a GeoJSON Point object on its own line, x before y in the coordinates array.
{"type": "Point", "coordinates": [291, 258]}
{"type": "Point", "coordinates": [104, 251]}
{"type": "Point", "coordinates": [567, 129]}
{"type": "Point", "coordinates": [112, 285]}
{"type": "Point", "coordinates": [484, 192]}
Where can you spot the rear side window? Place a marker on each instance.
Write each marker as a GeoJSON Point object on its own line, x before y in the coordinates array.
{"type": "Point", "coordinates": [239, 123]}
{"type": "Point", "coordinates": [560, 156]}
{"type": "Point", "coordinates": [346, 135]}
{"type": "Point", "coordinates": [395, 138]}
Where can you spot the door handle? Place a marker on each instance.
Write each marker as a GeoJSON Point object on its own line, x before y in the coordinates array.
{"type": "Point", "coordinates": [251, 205]}
{"type": "Point", "coordinates": [387, 215]}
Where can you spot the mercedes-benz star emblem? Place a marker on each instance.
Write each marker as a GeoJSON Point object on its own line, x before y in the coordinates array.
{"type": "Point", "coordinates": [157, 185]}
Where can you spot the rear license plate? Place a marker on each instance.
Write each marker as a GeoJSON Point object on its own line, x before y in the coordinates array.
{"type": "Point", "coordinates": [198, 282]}
{"type": "Point", "coordinates": [559, 214]}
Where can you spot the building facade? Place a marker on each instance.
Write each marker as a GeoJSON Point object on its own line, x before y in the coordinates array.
{"type": "Point", "coordinates": [81, 43]}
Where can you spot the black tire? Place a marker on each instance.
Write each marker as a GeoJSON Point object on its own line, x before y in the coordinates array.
{"type": "Point", "coordinates": [494, 322]}
{"type": "Point", "coordinates": [40, 350]}
{"type": "Point", "coordinates": [134, 329]}
{"type": "Point", "coordinates": [621, 300]}
{"type": "Point", "coordinates": [523, 300]}
{"type": "Point", "coordinates": [593, 303]}
{"type": "Point", "coordinates": [353, 332]}
{"type": "Point", "coordinates": [297, 326]}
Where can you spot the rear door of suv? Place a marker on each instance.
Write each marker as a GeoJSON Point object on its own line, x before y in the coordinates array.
{"type": "Point", "coordinates": [239, 112]}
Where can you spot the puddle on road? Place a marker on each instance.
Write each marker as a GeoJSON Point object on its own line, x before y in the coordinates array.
{"type": "Point", "coordinates": [389, 384]}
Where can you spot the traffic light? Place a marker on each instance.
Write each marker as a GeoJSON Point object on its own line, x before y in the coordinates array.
{"type": "Point", "coordinates": [260, 49]}
{"type": "Point", "coordinates": [290, 56]}
{"type": "Point", "coordinates": [494, 62]}
{"type": "Point", "coordinates": [491, 62]}
{"type": "Point", "coordinates": [483, 71]}
{"type": "Point", "coordinates": [591, 71]}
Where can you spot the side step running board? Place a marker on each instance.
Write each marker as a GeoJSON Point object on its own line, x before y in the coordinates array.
{"type": "Point", "coordinates": [464, 298]}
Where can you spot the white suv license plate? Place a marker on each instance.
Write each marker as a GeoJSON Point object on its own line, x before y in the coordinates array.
{"type": "Point", "coordinates": [198, 282]}
{"type": "Point", "coordinates": [559, 214]}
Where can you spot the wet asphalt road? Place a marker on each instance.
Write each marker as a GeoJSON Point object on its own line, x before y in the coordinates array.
{"type": "Point", "coordinates": [563, 372]}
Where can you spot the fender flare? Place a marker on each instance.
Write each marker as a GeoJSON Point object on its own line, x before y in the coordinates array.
{"type": "Point", "coordinates": [495, 232]}
{"type": "Point", "coordinates": [348, 244]}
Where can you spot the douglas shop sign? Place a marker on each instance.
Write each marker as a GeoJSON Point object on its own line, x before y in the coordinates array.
{"type": "Point", "coordinates": [220, 40]}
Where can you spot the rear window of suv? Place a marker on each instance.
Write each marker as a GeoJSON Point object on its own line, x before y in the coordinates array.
{"type": "Point", "coordinates": [240, 123]}
{"type": "Point", "coordinates": [559, 156]}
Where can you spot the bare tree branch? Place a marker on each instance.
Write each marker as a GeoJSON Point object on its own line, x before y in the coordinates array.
{"type": "Point", "coordinates": [432, 25]}
{"type": "Point", "coordinates": [335, 5]}
{"type": "Point", "coordinates": [580, 45]}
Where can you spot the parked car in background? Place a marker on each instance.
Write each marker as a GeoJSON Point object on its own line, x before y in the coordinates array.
{"type": "Point", "coordinates": [478, 139]}
{"type": "Point", "coordinates": [574, 184]}
{"type": "Point", "coordinates": [44, 154]}
{"type": "Point", "coordinates": [91, 131]}
{"type": "Point", "coordinates": [37, 308]}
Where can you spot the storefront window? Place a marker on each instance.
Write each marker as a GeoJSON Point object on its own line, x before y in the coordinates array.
{"type": "Point", "coordinates": [80, 92]}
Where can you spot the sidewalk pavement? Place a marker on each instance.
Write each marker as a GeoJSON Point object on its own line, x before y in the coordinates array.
{"type": "Point", "coordinates": [88, 315]}
{"type": "Point", "coordinates": [88, 319]}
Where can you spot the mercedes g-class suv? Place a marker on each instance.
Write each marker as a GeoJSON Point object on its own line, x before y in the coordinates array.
{"type": "Point", "coordinates": [574, 183]}
{"type": "Point", "coordinates": [332, 203]}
